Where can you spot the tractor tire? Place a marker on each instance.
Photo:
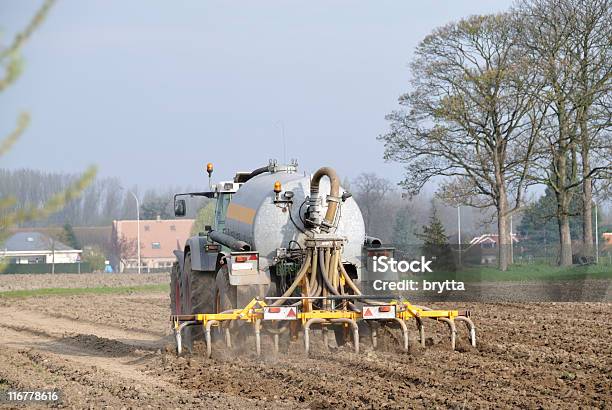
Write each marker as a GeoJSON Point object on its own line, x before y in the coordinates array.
{"type": "Point", "coordinates": [224, 294]}
{"type": "Point", "coordinates": [224, 298]}
{"type": "Point", "coordinates": [196, 290]}
{"type": "Point", "coordinates": [174, 290]}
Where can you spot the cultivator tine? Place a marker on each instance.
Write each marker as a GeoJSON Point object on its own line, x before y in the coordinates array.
{"type": "Point", "coordinates": [179, 342]}
{"type": "Point", "coordinates": [404, 332]}
{"type": "Point", "coordinates": [207, 328]}
{"type": "Point", "coordinates": [374, 334]}
{"type": "Point", "coordinates": [421, 328]}
{"type": "Point", "coordinates": [228, 338]}
{"type": "Point", "coordinates": [257, 327]}
{"type": "Point", "coordinates": [471, 328]}
{"type": "Point", "coordinates": [309, 323]}
{"type": "Point", "coordinates": [452, 328]}
{"type": "Point", "coordinates": [355, 330]}
{"type": "Point", "coordinates": [178, 329]}
{"type": "Point", "coordinates": [276, 342]}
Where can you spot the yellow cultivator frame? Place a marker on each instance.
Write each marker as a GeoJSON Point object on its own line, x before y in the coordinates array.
{"type": "Point", "coordinates": [255, 313]}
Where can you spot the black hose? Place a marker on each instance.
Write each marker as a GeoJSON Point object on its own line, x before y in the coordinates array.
{"type": "Point", "coordinates": [256, 172]}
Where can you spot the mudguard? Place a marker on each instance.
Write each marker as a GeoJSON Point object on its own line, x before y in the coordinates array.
{"type": "Point", "coordinates": [180, 258]}
{"type": "Point", "coordinates": [201, 259]}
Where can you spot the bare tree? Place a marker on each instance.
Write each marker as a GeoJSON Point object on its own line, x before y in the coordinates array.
{"type": "Point", "coordinates": [469, 117]}
{"type": "Point", "coordinates": [558, 36]}
{"type": "Point", "coordinates": [124, 249]}
{"type": "Point", "coordinates": [591, 38]}
{"type": "Point", "coordinates": [370, 192]}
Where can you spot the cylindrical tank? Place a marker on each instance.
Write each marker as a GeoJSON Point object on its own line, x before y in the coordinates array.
{"type": "Point", "coordinates": [253, 217]}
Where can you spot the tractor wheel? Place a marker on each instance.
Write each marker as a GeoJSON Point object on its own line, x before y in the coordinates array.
{"type": "Point", "coordinates": [224, 298]}
{"type": "Point", "coordinates": [195, 287]}
{"type": "Point", "coordinates": [174, 290]}
{"type": "Point", "coordinates": [224, 295]}
{"type": "Point", "coordinates": [202, 284]}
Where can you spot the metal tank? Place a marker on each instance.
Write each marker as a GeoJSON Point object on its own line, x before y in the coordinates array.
{"type": "Point", "coordinates": [253, 215]}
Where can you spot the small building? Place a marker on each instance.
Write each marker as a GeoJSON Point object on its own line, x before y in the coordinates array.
{"type": "Point", "coordinates": [158, 240]}
{"type": "Point", "coordinates": [488, 244]}
{"type": "Point", "coordinates": [36, 248]}
{"type": "Point", "coordinates": [607, 241]}
{"type": "Point", "coordinates": [489, 240]}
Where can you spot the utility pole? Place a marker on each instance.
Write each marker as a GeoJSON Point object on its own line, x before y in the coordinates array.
{"type": "Point", "coordinates": [52, 256]}
{"type": "Point", "coordinates": [137, 227]}
{"type": "Point", "coordinates": [596, 236]}
{"type": "Point", "coordinates": [511, 243]}
{"type": "Point", "coordinates": [459, 231]}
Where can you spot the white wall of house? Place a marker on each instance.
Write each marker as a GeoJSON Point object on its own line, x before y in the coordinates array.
{"type": "Point", "coordinates": [71, 256]}
{"type": "Point", "coordinates": [147, 263]}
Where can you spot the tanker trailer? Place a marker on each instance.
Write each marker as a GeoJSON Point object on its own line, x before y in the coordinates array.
{"type": "Point", "coordinates": [284, 246]}
{"type": "Point", "coordinates": [255, 246]}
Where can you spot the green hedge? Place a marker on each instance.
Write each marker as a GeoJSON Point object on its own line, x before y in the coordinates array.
{"type": "Point", "coordinates": [45, 268]}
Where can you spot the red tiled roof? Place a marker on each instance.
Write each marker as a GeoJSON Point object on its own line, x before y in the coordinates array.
{"type": "Point", "coordinates": [170, 234]}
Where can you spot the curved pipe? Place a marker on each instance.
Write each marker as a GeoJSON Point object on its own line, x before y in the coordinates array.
{"type": "Point", "coordinates": [348, 279]}
{"type": "Point", "coordinates": [256, 172]}
{"type": "Point", "coordinates": [324, 274]}
{"type": "Point", "coordinates": [229, 241]}
{"type": "Point", "coordinates": [373, 241]}
{"type": "Point", "coordinates": [332, 199]}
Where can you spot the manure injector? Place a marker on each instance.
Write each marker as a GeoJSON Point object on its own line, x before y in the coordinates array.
{"type": "Point", "coordinates": [285, 256]}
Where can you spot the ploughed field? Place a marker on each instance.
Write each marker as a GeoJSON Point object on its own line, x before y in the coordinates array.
{"type": "Point", "coordinates": [115, 350]}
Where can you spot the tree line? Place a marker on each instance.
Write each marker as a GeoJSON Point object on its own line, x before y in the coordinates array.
{"type": "Point", "coordinates": [100, 202]}
{"type": "Point", "coordinates": [500, 103]}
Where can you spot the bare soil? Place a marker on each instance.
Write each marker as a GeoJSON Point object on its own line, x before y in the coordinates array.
{"type": "Point", "coordinates": [83, 280]}
{"type": "Point", "coordinates": [115, 351]}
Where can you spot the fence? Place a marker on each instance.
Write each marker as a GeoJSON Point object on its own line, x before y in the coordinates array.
{"type": "Point", "coordinates": [46, 268]}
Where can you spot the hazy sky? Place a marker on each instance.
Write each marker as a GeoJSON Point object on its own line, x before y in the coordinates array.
{"type": "Point", "coordinates": [152, 90]}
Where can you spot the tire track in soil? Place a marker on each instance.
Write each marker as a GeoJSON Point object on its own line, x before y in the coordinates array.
{"type": "Point", "coordinates": [119, 311]}
{"type": "Point", "coordinates": [91, 370]}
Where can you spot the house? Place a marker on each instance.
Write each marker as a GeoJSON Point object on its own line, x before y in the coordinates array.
{"type": "Point", "coordinates": [489, 240]}
{"type": "Point", "coordinates": [607, 240]}
{"type": "Point", "coordinates": [36, 248]}
{"type": "Point", "coordinates": [158, 239]}
{"type": "Point", "coordinates": [488, 243]}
